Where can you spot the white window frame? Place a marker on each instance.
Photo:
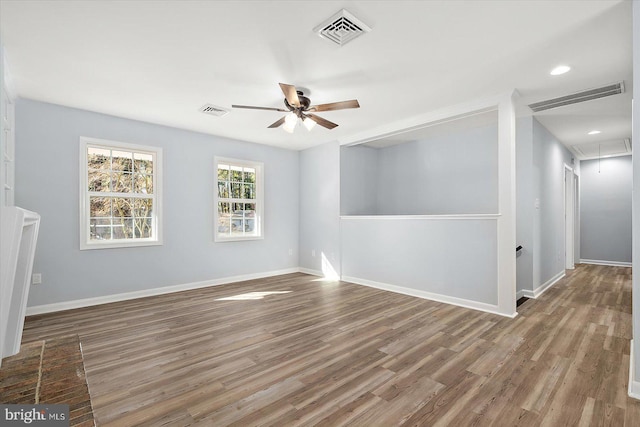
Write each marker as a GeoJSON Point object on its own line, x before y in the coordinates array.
{"type": "Point", "coordinates": [85, 241]}
{"type": "Point", "coordinates": [259, 200]}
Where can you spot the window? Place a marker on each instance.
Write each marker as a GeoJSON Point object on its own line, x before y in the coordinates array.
{"type": "Point", "coordinates": [238, 200]}
{"type": "Point", "coordinates": [120, 194]}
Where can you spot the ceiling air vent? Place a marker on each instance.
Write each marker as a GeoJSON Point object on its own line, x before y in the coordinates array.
{"type": "Point", "coordinates": [583, 96]}
{"type": "Point", "coordinates": [341, 28]}
{"type": "Point", "coordinates": [213, 110]}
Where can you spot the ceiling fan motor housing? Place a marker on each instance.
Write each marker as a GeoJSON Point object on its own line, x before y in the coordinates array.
{"type": "Point", "coordinates": [304, 104]}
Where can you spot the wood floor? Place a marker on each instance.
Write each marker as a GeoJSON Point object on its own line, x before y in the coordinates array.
{"type": "Point", "coordinates": [328, 353]}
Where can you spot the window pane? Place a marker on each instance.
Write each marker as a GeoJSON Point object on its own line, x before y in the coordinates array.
{"type": "Point", "coordinates": [249, 191]}
{"type": "Point", "coordinates": [121, 208]}
{"type": "Point", "coordinates": [100, 229]}
{"type": "Point", "coordinates": [237, 226]}
{"type": "Point", "coordinates": [142, 228]}
{"type": "Point", "coordinates": [149, 182]}
{"type": "Point", "coordinates": [142, 208]}
{"type": "Point", "coordinates": [99, 181]}
{"type": "Point", "coordinates": [224, 208]}
{"type": "Point", "coordinates": [143, 184]}
{"type": "Point", "coordinates": [224, 226]}
{"type": "Point", "coordinates": [249, 175]}
{"type": "Point", "coordinates": [98, 158]}
{"type": "Point", "coordinates": [143, 163]}
{"type": "Point", "coordinates": [122, 161]}
{"type": "Point", "coordinates": [123, 228]}
{"type": "Point", "coordinates": [122, 182]}
{"type": "Point", "coordinates": [224, 218]}
{"type": "Point", "coordinates": [223, 189]}
{"type": "Point", "coordinates": [243, 218]}
{"type": "Point", "coordinates": [223, 172]}
{"type": "Point", "coordinates": [236, 190]}
{"type": "Point", "coordinates": [100, 207]}
{"type": "Point", "coordinates": [250, 217]}
{"type": "Point", "coordinates": [236, 173]}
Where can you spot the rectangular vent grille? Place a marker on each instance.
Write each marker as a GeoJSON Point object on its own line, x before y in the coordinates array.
{"type": "Point", "coordinates": [213, 110]}
{"type": "Point", "coordinates": [575, 98]}
{"type": "Point", "coordinates": [341, 28]}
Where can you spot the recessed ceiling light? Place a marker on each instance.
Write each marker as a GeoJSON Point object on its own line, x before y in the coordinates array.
{"type": "Point", "coordinates": [594, 132]}
{"type": "Point", "coordinates": [560, 69]}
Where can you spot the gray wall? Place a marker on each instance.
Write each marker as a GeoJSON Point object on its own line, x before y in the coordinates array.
{"type": "Point", "coordinates": [456, 173]}
{"type": "Point", "coordinates": [605, 209]}
{"type": "Point", "coordinates": [549, 158]}
{"type": "Point", "coordinates": [452, 173]}
{"type": "Point", "coordinates": [320, 207]}
{"type": "Point", "coordinates": [47, 144]}
{"type": "Point", "coordinates": [448, 172]}
{"type": "Point", "coordinates": [3, 141]}
{"type": "Point", "coordinates": [540, 163]}
{"type": "Point", "coordinates": [449, 257]}
{"type": "Point", "coordinates": [524, 203]}
{"type": "Point", "coordinates": [359, 180]}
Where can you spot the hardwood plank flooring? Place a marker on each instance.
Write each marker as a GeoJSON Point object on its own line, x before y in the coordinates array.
{"type": "Point", "coordinates": [296, 350]}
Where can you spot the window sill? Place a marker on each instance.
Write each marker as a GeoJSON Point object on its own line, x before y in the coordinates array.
{"type": "Point", "coordinates": [218, 239]}
{"type": "Point", "coordinates": [119, 244]}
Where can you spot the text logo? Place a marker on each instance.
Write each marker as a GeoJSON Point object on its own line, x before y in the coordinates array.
{"type": "Point", "coordinates": [34, 415]}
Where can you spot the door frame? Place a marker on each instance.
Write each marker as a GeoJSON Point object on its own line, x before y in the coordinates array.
{"type": "Point", "coordinates": [570, 216]}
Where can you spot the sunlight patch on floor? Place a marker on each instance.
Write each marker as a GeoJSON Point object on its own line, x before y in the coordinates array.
{"type": "Point", "coordinates": [251, 296]}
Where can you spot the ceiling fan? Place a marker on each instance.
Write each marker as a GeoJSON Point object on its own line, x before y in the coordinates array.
{"type": "Point", "coordinates": [299, 107]}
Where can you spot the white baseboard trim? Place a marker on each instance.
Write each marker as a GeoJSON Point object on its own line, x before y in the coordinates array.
{"type": "Point", "coordinates": [634, 386]}
{"type": "Point", "coordinates": [527, 293]}
{"type": "Point", "coordinates": [311, 272]}
{"type": "Point", "coordinates": [542, 288]}
{"type": "Point", "coordinates": [481, 306]}
{"type": "Point", "coordinates": [87, 302]}
{"type": "Point", "coordinates": [609, 263]}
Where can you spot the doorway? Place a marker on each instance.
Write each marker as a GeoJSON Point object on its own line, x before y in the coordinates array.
{"type": "Point", "coordinates": [576, 216]}
{"type": "Point", "coordinates": [571, 235]}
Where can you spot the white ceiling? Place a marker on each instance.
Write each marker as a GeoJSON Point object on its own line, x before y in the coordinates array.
{"type": "Point", "coordinates": [160, 61]}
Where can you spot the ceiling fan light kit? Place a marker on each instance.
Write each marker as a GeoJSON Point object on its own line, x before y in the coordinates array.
{"type": "Point", "coordinates": [308, 123]}
{"type": "Point", "coordinates": [299, 107]}
{"type": "Point", "coordinates": [290, 121]}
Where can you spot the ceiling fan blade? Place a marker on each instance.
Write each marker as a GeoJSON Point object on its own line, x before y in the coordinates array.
{"type": "Point", "coordinates": [277, 123]}
{"type": "Point", "coordinates": [322, 122]}
{"type": "Point", "coordinates": [258, 108]}
{"type": "Point", "coordinates": [291, 94]}
{"type": "Point", "coordinates": [342, 105]}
